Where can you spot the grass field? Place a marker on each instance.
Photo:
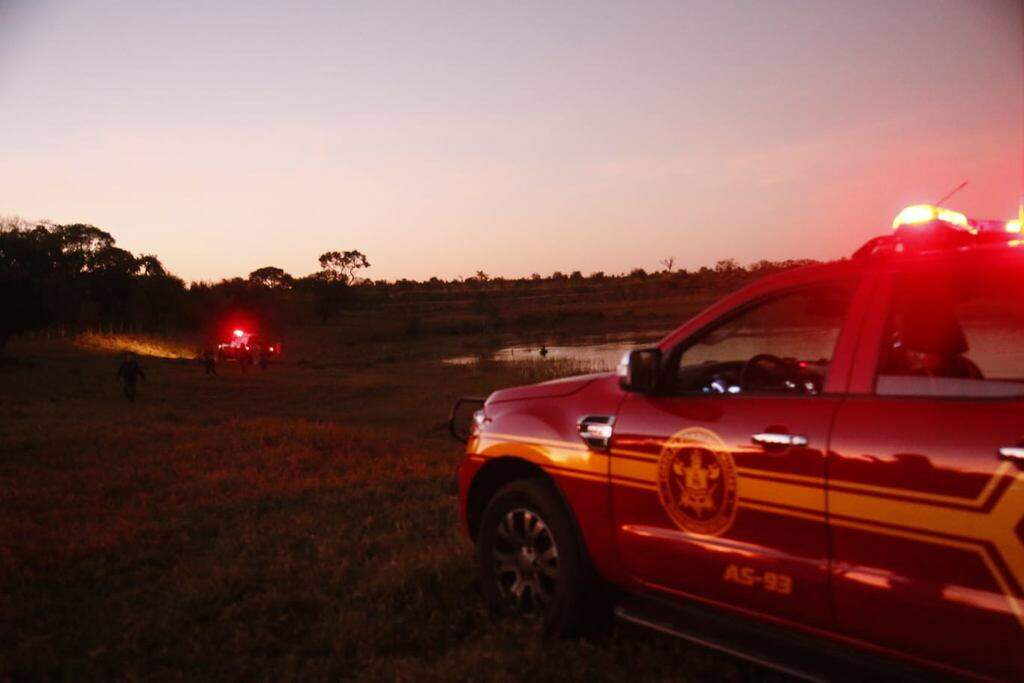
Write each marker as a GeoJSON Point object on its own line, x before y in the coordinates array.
{"type": "Point", "coordinates": [300, 522]}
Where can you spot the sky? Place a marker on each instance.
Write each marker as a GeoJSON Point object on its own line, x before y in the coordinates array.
{"type": "Point", "coordinates": [441, 138]}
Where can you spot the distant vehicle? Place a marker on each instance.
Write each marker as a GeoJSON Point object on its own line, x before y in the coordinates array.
{"type": "Point", "coordinates": [242, 346]}
{"type": "Point", "coordinates": [827, 462]}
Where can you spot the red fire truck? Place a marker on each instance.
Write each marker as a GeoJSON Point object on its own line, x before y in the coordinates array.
{"type": "Point", "coordinates": [243, 346]}
{"type": "Point", "coordinates": [828, 462]}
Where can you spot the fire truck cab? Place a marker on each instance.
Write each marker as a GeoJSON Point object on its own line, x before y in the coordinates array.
{"type": "Point", "coordinates": [835, 450]}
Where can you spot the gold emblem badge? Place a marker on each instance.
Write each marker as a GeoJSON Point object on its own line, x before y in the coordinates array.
{"type": "Point", "coordinates": [697, 482]}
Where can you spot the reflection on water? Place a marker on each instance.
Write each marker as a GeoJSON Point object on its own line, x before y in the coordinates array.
{"type": "Point", "coordinates": [601, 353]}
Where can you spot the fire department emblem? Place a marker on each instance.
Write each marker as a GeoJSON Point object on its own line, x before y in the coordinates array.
{"type": "Point", "coordinates": [697, 482]}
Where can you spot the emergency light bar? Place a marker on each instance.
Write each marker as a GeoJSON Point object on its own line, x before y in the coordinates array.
{"type": "Point", "coordinates": [922, 227]}
{"type": "Point", "coordinates": [922, 214]}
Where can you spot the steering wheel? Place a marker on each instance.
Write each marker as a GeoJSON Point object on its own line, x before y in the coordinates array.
{"type": "Point", "coordinates": [769, 379]}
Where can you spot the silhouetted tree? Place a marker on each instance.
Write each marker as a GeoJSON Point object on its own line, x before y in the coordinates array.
{"type": "Point", "coordinates": [82, 245]}
{"type": "Point", "coordinates": [328, 297]}
{"type": "Point", "coordinates": [31, 261]}
{"type": "Point", "coordinates": [150, 265]}
{"type": "Point", "coordinates": [331, 286]}
{"type": "Point", "coordinates": [727, 266]}
{"type": "Point", "coordinates": [70, 275]}
{"type": "Point", "coordinates": [341, 266]}
{"type": "Point", "coordinates": [270, 276]}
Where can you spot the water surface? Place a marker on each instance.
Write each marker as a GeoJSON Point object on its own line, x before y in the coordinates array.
{"type": "Point", "coordinates": [599, 352]}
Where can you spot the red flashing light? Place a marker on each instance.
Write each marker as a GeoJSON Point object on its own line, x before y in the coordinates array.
{"type": "Point", "coordinates": [238, 333]}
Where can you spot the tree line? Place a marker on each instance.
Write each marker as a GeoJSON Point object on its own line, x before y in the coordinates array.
{"type": "Point", "coordinates": [74, 278]}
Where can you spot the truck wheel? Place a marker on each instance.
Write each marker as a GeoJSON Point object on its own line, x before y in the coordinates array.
{"type": "Point", "coordinates": [531, 558]}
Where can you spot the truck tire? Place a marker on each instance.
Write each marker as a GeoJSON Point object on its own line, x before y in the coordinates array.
{"type": "Point", "coordinates": [532, 561]}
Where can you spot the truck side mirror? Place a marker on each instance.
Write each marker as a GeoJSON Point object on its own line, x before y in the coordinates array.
{"type": "Point", "coordinates": [639, 370]}
{"type": "Point", "coordinates": [460, 422]}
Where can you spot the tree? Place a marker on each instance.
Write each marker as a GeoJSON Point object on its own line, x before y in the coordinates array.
{"type": "Point", "coordinates": [331, 284]}
{"type": "Point", "coordinates": [110, 280]}
{"type": "Point", "coordinates": [329, 296]}
{"type": "Point", "coordinates": [113, 259]}
{"type": "Point", "coordinates": [341, 266]}
{"type": "Point", "coordinates": [29, 277]}
{"type": "Point", "coordinates": [150, 265]}
{"type": "Point", "coordinates": [668, 263]}
{"type": "Point", "coordinates": [727, 266]}
{"type": "Point", "coordinates": [272, 277]}
{"type": "Point", "coordinates": [83, 244]}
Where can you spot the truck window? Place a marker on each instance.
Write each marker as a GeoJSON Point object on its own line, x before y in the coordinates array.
{"type": "Point", "coordinates": [954, 334]}
{"type": "Point", "coordinates": [782, 345]}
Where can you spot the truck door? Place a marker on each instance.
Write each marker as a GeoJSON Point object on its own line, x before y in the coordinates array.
{"type": "Point", "coordinates": [926, 496]}
{"type": "Point", "coordinates": [718, 487]}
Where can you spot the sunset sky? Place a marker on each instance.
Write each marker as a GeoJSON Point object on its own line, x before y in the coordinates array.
{"type": "Point", "coordinates": [514, 137]}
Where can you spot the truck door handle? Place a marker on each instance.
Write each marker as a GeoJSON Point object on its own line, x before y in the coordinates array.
{"type": "Point", "coordinates": [1014, 454]}
{"type": "Point", "coordinates": [596, 430]}
{"type": "Point", "coordinates": [778, 439]}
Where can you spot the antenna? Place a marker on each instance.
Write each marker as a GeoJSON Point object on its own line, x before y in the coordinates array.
{"type": "Point", "coordinates": [951, 193]}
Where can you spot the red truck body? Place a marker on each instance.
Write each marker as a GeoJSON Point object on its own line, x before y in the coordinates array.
{"type": "Point", "coordinates": [893, 524]}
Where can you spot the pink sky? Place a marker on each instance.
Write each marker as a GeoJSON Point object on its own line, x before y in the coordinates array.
{"type": "Point", "coordinates": [445, 137]}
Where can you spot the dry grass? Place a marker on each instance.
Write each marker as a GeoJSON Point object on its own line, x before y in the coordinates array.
{"type": "Point", "coordinates": [299, 523]}
{"type": "Point", "coordinates": [143, 345]}
{"type": "Point", "coordinates": [539, 370]}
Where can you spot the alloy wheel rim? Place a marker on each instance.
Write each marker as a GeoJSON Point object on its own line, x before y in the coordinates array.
{"type": "Point", "coordinates": [525, 562]}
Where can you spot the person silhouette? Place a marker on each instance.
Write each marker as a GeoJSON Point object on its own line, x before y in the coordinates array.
{"type": "Point", "coordinates": [210, 362]}
{"type": "Point", "coordinates": [128, 374]}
